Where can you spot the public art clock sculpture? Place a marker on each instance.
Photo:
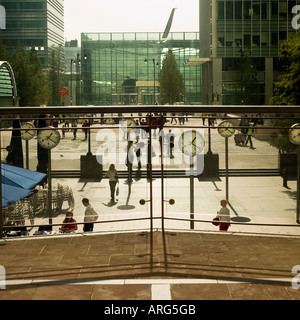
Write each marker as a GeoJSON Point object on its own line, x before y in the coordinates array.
{"type": "Point", "coordinates": [294, 134]}
{"type": "Point", "coordinates": [226, 129]}
{"type": "Point", "coordinates": [48, 138]}
{"type": "Point", "coordinates": [28, 131]}
{"type": "Point", "coordinates": [191, 143]}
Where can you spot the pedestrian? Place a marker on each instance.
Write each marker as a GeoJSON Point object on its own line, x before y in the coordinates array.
{"type": "Point", "coordinates": [174, 118]}
{"type": "Point", "coordinates": [143, 129]}
{"type": "Point", "coordinates": [129, 160]}
{"type": "Point", "coordinates": [249, 137]}
{"type": "Point", "coordinates": [170, 144]}
{"type": "Point", "coordinates": [90, 216]}
{"type": "Point", "coordinates": [154, 127]}
{"type": "Point", "coordinates": [112, 174]}
{"type": "Point", "coordinates": [63, 130]}
{"type": "Point", "coordinates": [203, 118]}
{"type": "Point", "coordinates": [85, 127]}
{"type": "Point", "coordinates": [224, 216]}
{"type": "Point", "coordinates": [74, 126]}
{"type": "Point", "coordinates": [54, 122]}
{"type": "Point", "coordinates": [67, 225]}
{"type": "Point", "coordinates": [137, 129]}
{"type": "Point", "coordinates": [138, 152]}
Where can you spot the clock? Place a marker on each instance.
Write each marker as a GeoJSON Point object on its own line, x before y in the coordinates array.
{"type": "Point", "coordinates": [27, 131]}
{"type": "Point", "coordinates": [130, 124]}
{"type": "Point", "coordinates": [226, 129]}
{"type": "Point", "coordinates": [191, 142]}
{"type": "Point", "coordinates": [48, 137]}
{"type": "Point", "coordinates": [294, 134]}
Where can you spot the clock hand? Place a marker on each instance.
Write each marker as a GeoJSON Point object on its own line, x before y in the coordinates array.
{"type": "Point", "coordinates": [50, 136]}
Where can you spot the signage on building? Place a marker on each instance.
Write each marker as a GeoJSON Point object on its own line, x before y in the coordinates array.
{"type": "Point", "coordinates": [147, 83]}
{"type": "Point", "coordinates": [63, 91]}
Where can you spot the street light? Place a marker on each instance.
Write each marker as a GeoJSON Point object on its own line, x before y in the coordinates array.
{"type": "Point", "coordinates": [71, 83]}
{"type": "Point", "coordinates": [154, 66]}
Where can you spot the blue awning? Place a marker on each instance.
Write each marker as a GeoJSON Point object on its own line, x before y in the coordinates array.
{"type": "Point", "coordinates": [17, 183]}
{"type": "Point", "coordinates": [12, 194]}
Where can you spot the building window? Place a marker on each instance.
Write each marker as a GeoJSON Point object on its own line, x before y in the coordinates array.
{"type": "Point", "coordinates": [220, 10]}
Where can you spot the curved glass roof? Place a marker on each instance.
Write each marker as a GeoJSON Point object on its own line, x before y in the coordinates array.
{"type": "Point", "coordinates": [8, 86]}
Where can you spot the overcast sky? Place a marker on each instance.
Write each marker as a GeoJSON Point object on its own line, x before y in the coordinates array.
{"type": "Point", "coordinates": [128, 16]}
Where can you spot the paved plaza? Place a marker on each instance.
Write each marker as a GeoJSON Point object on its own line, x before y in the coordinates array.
{"type": "Point", "coordinates": [123, 260]}
{"type": "Point", "coordinates": [164, 266]}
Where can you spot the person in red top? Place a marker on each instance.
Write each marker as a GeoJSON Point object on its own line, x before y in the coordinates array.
{"type": "Point", "coordinates": [67, 227]}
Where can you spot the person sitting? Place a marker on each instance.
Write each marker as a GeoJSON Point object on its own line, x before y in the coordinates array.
{"type": "Point", "coordinates": [67, 225]}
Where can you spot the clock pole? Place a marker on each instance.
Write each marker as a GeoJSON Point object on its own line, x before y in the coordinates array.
{"type": "Point", "coordinates": [49, 188]}
{"type": "Point", "coordinates": [27, 153]}
{"type": "Point", "coordinates": [226, 164]}
{"type": "Point", "coordinates": [192, 210]}
{"type": "Point", "coordinates": [298, 187]}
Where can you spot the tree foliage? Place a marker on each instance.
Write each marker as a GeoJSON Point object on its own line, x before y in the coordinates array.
{"type": "Point", "coordinates": [287, 90]}
{"type": "Point", "coordinates": [30, 78]}
{"type": "Point", "coordinates": [171, 80]}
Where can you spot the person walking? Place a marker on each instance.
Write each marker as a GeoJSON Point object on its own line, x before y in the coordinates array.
{"type": "Point", "coordinates": [138, 152]}
{"type": "Point", "coordinates": [224, 216]}
{"type": "Point", "coordinates": [174, 118]}
{"type": "Point", "coordinates": [112, 174]}
{"type": "Point", "coordinates": [170, 144]}
{"type": "Point", "coordinates": [90, 216]}
{"type": "Point", "coordinates": [249, 137]}
{"type": "Point", "coordinates": [63, 130]}
{"type": "Point", "coordinates": [74, 126]}
{"type": "Point", "coordinates": [85, 127]}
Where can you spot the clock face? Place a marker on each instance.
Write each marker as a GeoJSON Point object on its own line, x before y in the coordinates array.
{"type": "Point", "coordinates": [27, 131]}
{"type": "Point", "coordinates": [191, 142]}
{"type": "Point", "coordinates": [294, 134]}
{"type": "Point", "coordinates": [130, 124]}
{"type": "Point", "coordinates": [226, 129]}
{"type": "Point", "coordinates": [48, 138]}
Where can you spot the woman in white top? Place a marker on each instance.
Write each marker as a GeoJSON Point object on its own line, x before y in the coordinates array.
{"type": "Point", "coordinates": [112, 174]}
{"type": "Point", "coordinates": [224, 215]}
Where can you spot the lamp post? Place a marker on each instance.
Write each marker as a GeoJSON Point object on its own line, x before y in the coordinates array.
{"type": "Point", "coordinates": [71, 83]}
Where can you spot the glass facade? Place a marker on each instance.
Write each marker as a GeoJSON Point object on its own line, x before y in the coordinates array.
{"type": "Point", "coordinates": [256, 25]}
{"type": "Point", "coordinates": [35, 23]}
{"type": "Point", "coordinates": [240, 31]}
{"type": "Point", "coordinates": [123, 68]}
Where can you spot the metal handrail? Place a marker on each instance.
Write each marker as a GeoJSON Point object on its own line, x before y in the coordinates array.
{"type": "Point", "coordinates": [149, 109]}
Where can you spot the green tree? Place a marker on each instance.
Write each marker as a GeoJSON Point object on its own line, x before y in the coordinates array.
{"type": "Point", "coordinates": [30, 78]}
{"type": "Point", "coordinates": [171, 80]}
{"type": "Point", "coordinates": [3, 51]}
{"type": "Point", "coordinates": [287, 90]}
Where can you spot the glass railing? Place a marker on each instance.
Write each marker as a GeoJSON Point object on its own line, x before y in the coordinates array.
{"type": "Point", "coordinates": [174, 163]}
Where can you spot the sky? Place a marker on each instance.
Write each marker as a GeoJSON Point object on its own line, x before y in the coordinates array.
{"type": "Point", "coordinates": [128, 16]}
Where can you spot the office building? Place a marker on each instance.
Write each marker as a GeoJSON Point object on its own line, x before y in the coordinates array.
{"type": "Point", "coordinates": [35, 23]}
{"type": "Point", "coordinates": [113, 69]}
{"type": "Point", "coordinates": [239, 48]}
